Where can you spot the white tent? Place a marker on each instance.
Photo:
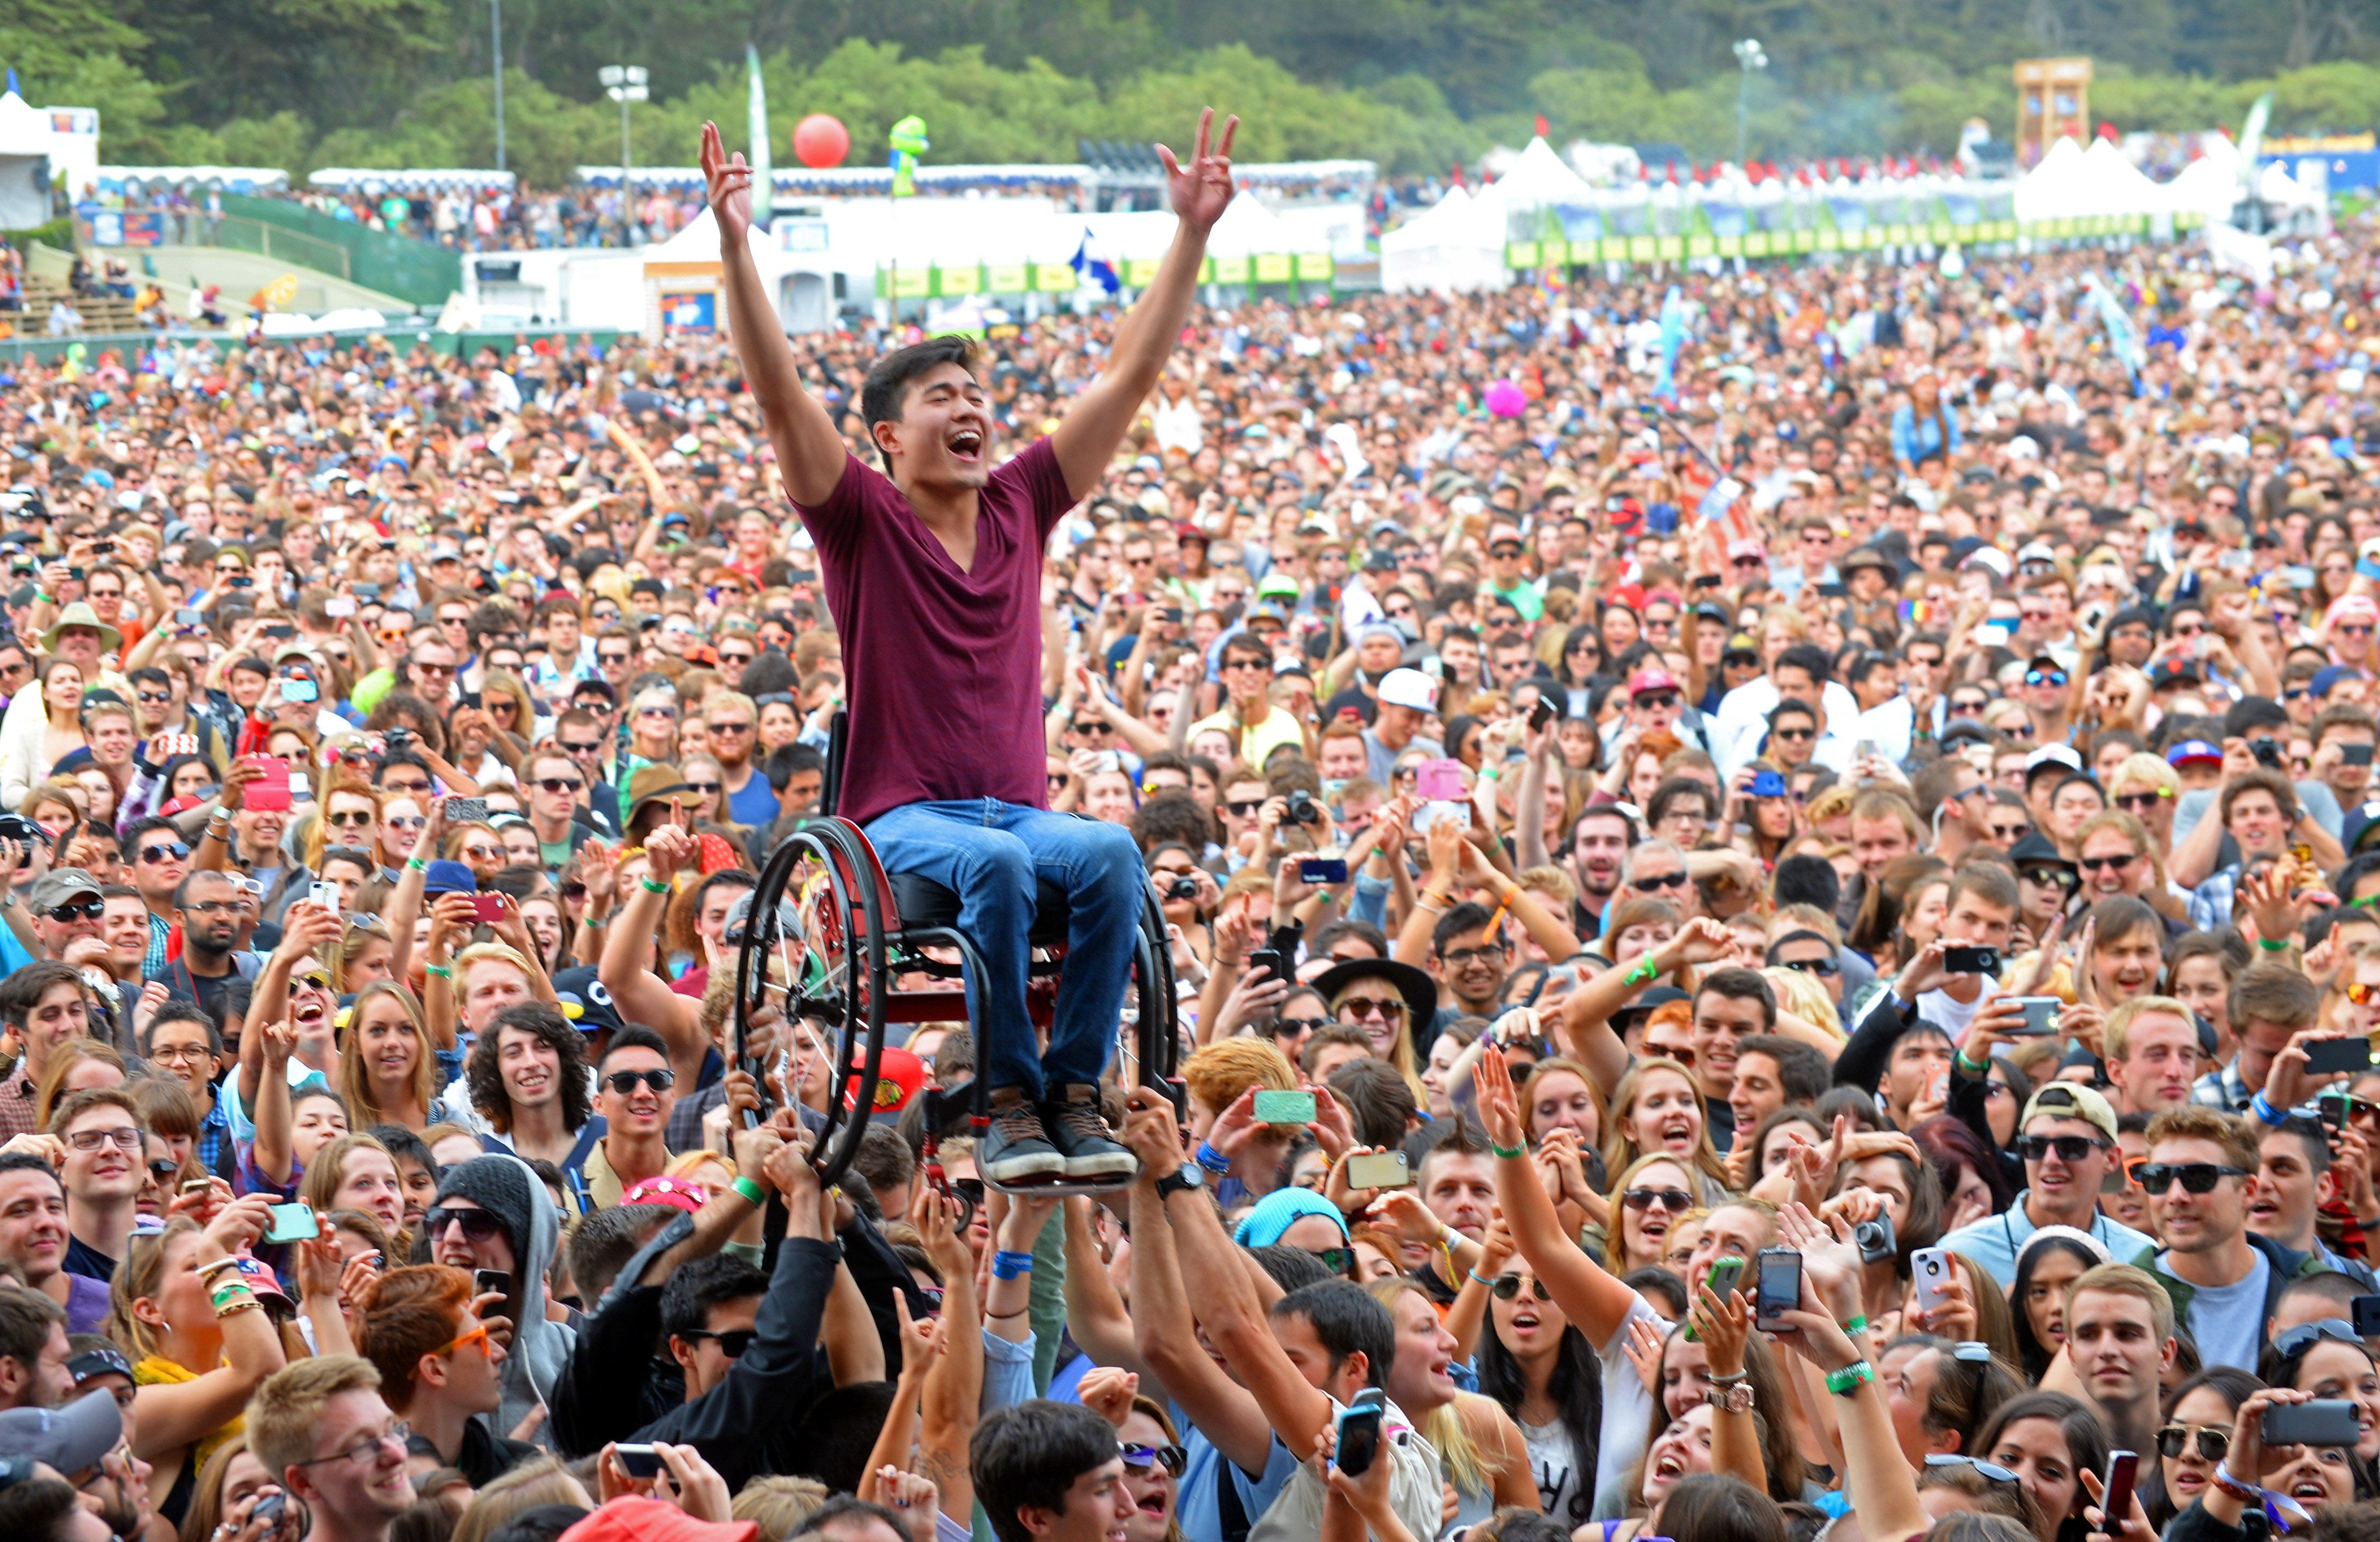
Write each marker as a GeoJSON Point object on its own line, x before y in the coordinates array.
{"type": "Point", "coordinates": [1446, 248]}
{"type": "Point", "coordinates": [24, 165]}
{"type": "Point", "coordinates": [2058, 186]}
{"type": "Point", "coordinates": [1538, 175]}
{"type": "Point", "coordinates": [2116, 186]}
{"type": "Point", "coordinates": [2208, 187]}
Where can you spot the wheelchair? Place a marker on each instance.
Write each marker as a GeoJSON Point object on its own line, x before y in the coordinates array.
{"type": "Point", "coordinates": [860, 932]}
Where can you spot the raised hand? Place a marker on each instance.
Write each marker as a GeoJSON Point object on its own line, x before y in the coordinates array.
{"type": "Point", "coordinates": [1199, 192]}
{"type": "Point", "coordinates": [729, 187]}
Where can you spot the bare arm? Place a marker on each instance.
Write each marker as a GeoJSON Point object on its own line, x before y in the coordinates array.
{"type": "Point", "coordinates": [855, 1351]}
{"type": "Point", "coordinates": [1095, 1313]}
{"type": "Point", "coordinates": [171, 1416]}
{"type": "Point", "coordinates": [641, 995]}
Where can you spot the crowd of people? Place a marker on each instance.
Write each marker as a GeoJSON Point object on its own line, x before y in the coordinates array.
{"type": "Point", "coordinates": [1777, 958]}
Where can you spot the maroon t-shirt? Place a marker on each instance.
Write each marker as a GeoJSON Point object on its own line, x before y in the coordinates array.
{"type": "Point", "coordinates": [941, 667]}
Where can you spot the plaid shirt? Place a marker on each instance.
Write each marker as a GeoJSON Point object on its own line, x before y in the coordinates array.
{"type": "Point", "coordinates": [17, 1095]}
{"type": "Point", "coordinates": [2223, 1089]}
{"type": "Point", "coordinates": [2210, 902]}
{"type": "Point", "coordinates": [214, 1143]}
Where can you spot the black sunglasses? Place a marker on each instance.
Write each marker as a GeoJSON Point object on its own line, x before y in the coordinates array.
{"type": "Point", "coordinates": [1676, 1201]}
{"type": "Point", "coordinates": [660, 1078]}
{"type": "Point", "coordinates": [1811, 966]}
{"type": "Point", "coordinates": [2070, 1149]}
{"type": "Point", "coordinates": [478, 1225]}
{"type": "Point", "coordinates": [2197, 1177]}
{"type": "Point", "coordinates": [2305, 1335]}
{"type": "Point", "coordinates": [1141, 1458]}
{"type": "Point", "coordinates": [2214, 1444]}
{"type": "Point", "coordinates": [1507, 1287]}
{"type": "Point", "coordinates": [89, 910]}
{"type": "Point", "coordinates": [732, 1342]}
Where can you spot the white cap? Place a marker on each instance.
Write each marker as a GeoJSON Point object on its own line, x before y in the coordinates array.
{"type": "Point", "coordinates": [2064, 754]}
{"type": "Point", "coordinates": [1409, 687]}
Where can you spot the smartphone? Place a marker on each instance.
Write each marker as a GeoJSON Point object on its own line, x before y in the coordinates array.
{"type": "Point", "coordinates": [241, 582]}
{"type": "Point", "coordinates": [1769, 783]}
{"type": "Point", "coordinates": [2328, 1057]}
{"type": "Point", "coordinates": [466, 810]}
{"type": "Point", "coordinates": [325, 895]}
{"type": "Point", "coordinates": [2365, 1310]}
{"type": "Point", "coordinates": [1430, 814]}
{"type": "Point", "coordinates": [1284, 1107]}
{"type": "Point", "coordinates": [1725, 1274]}
{"type": "Point", "coordinates": [1779, 1287]}
{"type": "Point", "coordinates": [1271, 960]}
{"type": "Point", "coordinates": [370, 592]}
{"type": "Point", "coordinates": [2040, 1013]}
{"type": "Point", "coordinates": [165, 746]}
{"type": "Point", "coordinates": [1706, 580]}
{"type": "Point", "coordinates": [1864, 749]}
{"type": "Point", "coordinates": [1972, 961]}
{"type": "Point", "coordinates": [491, 1282]}
{"type": "Point", "coordinates": [2115, 1497]}
{"type": "Point", "coordinates": [292, 1224]}
{"type": "Point", "coordinates": [189, 618]}
{"type": "Point", "coordinates": [199, 1186]}
{"type": "Point", "coordinates": [1322, 870]}
{"type": "Point", "coordinates": [1386, 1170]}
{"type": "Point", "coordinates": [270, 791]}
{"type": "Point", "coordinates": [1994, 634]}
{"type": "Point", "coordinates": [488, 909]}
{"type": "Point", "coordinates": [2322, 1422]}
{"type": "Point", "coordinates": [1929, 1270]}
{"type": "Point", "coordinates": [1108, 761]}
{"type": "Point", "coordinates": [638, 1461]}
{"type": "Point", "coordinates": [1441, 781]}
{"type": "Point", "coordinates": [1543, 713]}
{"type": "Point", "coordinates": [2355, 755]}
{"type": "Point", "coordinates": [339, 607]}
{"type": "Point", "coordinates": [1359, 1433]}
{"type": "Point", "coordinates": [300, 690]}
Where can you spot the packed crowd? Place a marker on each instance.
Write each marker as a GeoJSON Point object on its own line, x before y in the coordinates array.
{"type": "Point", "coordinates": [1825, 1000]}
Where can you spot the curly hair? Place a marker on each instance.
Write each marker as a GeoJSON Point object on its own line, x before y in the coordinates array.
{"type": "Point", "coordinates": [485, 1079]}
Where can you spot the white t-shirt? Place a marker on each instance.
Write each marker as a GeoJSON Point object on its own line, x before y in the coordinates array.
{"type": "Point", "coordinates": [1627, 1407]}
{"type": "Point", "coordinates": [1414, 1485]}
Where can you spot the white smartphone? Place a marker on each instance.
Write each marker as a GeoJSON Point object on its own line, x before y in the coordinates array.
{"type": "Point", "coordinates": [1929, 1268]}
{"type": "Point", "coordinates": [326, 895]}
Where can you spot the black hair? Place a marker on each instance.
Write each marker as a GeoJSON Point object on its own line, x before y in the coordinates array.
{"type": "Point", "coordinates": [1810, 659]}
{"type": "Point", "coordinates": [1467, 917]}
{"type": "Point", "coordinates": [1293, 1268]}
{"type": "Point", "coordinates": [838, 1430]}
{"type": "Point", "coordinates": [602, 1241]}
{"type": "Point", "coordinates": [1720, 1507]}
{"type": "Point", "coordinates": [1743, 984]}
{"type": "Point", "coordinates": [1029, 1453]}
{"type": "Point", "coordinates": [1348, 1321]}
{"type": "Point", "coordinates": [406, 1146]}
{"type": "Point", "coordinates": [633, 1035]}
{"type": "Point", "coordinates": [1379, 1102]}
{"type": "Point", "coordinates": [36, 1510]}
{"type": "Point", "coordinates": [1803, 879]}
{"type": "Point", "coordinates": [27, 1162]}
{"type": "Point", "coordinates": [26, 1319]}
{"type": "Point", "coordinates": [884, 395]}
{"type": "Point", "coordinates": [1801, 1070]}
{"type": "Point", "coordinates": [1576, 1389]}
{"type": "Point", "coordinates": [699, 1286]}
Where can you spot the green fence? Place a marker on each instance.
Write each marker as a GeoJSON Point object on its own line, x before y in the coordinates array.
{"type": "Point", "coordinates": [242, 234]}
{"type": "Point", "coordinates": [413, 271]}
{"type": "Point", "coordinates": [43, 348]}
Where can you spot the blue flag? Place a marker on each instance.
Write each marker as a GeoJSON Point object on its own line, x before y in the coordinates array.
{"type": "Point", "coordinates": [1094, 270]}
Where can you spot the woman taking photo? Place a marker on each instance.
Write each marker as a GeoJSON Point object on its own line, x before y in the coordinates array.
{"type": "Point", "coordinates": [2193, 1440]}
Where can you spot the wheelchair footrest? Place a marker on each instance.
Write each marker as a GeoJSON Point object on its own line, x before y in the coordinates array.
{"type": "Point", "coordinates": [1059, 1187]}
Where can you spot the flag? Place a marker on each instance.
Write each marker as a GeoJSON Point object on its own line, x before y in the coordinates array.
{"type": "Point", "coordinates": [1673, 337]}
{"type": "Point", "coordinates": [2124, 337]}
{"type": "Point", "coordinates": [276, 296]}
{"type": "Point", "coordinates": [763, 187]}
{"type": "Point", "coordinates": [1094, 270]}
{"type": "Point", "coordinates": [13, 89]}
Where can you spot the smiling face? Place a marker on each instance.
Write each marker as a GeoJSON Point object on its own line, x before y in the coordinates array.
{"type": "Point", "coordinates": [942, 435]}
{"type": "Point", "coordinates": [2331, 1369]}
{"type": "Point", "coordinates": [1666, 1114]}
{"type": "Point", "coordinates": [528, 1065]}
{"type": "Point", "coordinates": [32, 1223]}
{"type": "Point", "coordinates": [1418, 1380]}
{"type": "Point", "coordinates": [1681, 1450]}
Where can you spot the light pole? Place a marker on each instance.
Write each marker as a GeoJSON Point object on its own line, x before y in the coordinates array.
{"type": "Point", "coordinates": [624, 84]}
{"type": "Point", "coordinates": [496, 42]}
{"type": "Point", "coordinates": [1750, 57]}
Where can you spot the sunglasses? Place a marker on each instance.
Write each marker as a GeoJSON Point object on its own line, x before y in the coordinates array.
{"type": "Point", "coordinates": [1659, 881]}
{"type": "Point", "coordinates": [1507, 1287]}
{"type": "Point", "coordinates": [560, 783]}
{"type": "Point", "coordinates": [1366, 1006]}
{"type": "Point", "coordinates": [2070, 1149]}
{"type": "Point", "coordinates": [1335, 1259]}
{"type": "Point", "coordinates": [732, 1342]}
{"type": "Point", "coordinates": [1675, 1201]}
{"type": "Point", "coordinates": [89, 910]}
{"type": "Point", "coordinates": [2045, 677]}
{"type": "Point", "coordinates": [706, 788]}
{"type": "Point", "coordinates": [1246, 806]}
{"type": "Point", "coordinates": [2214, 1442]}
{"type": "Point", "coordinates": [163, 1170]}
{"type": "Point", "coordinates": [2360, 992]}
{"type": "Point", "coordinates": [1991, 1470]}
{"type": "Point", "coordinates": [1795, 735]}
{"type": "Point", "coordinates": [660, 1079]}
{"type": "Point", "coordinates": [476, 1336]}
{"type": "Point", "coordinates": [1824, 966]}
{"type": "Point", "coordinates": [1141, 1458]}
{"type": "Point", "coordinates": [2305, 1335]}
{"type": "Point", "coordinates": [2107, 864]}
{"type": "Point", "coordinates": [478, 1225]}
{"type": "Point", "coordinates": [2050, 878]}
{"type": "Point", "coordinates": [163, 851]}
{"type": "Point", "coordinates": [2197, 1177]}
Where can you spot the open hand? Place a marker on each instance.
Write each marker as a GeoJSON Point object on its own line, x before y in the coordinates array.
{"type": "Point", "coordinates": [1199, 191]}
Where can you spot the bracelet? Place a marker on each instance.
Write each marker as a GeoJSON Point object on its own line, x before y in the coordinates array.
{"type": "Point", "coordinates": [1844, 1382]}
{"type": "Point", "coordinates": [2265, 1112]}
{"type": "Point", "coordinates": [1644, 969]}
{"type": "Point", "coordinates": [417, 865]}
{"type": "Point", "coordinates": [1509, 1151]}
{"type": "Point", "coordinates": [2274, 944]}
{"type": "Point", "coordinates": [1856, 1327]}
{"type": "Point", "coordinates": [650, 887]}
{"type": "Point", "coordinates": [1006, 1317]}
{"type": "Point", "coordinates": [1430, 897]}
{"type": "Point", "coordinates": [1491, 773]}
{"type": "Point", "coordinates": [1007, 1264]}
{"type": "Point", "coordinates": [237, 1308]}
{"type": "Point", "coordinates": [751, 1191]}
{"type": "Point", "coordinates": [1479, 1278]}
{"type": "Point", "coordinates": [1730, 1380]}
{"type": "Point", "coordinates": [1971, 1067]}
{"type": "Point", "coordinates": [216, 1268]}
{"type": "Point", "coordinates": [595, 923]}
{"type": "Point", "coordinates": [2233, 1487]}
{"type": "Point", "coordinates": [1211, 1159]}
{"type": "Point", "coordinates": [441, 970]}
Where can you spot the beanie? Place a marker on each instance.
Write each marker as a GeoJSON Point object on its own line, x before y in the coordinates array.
{"type": "Point", "coordinates": [499, 1185]}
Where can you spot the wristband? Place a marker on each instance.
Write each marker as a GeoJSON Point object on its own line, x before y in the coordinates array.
{"type": "Point", "coordinates": [1856, 1327]}
{"type": "Point", "coordinates": [2273, 944]}
{"type": "Point", "coordinates": [1491, 773]}
{"type": "Point", "coordinates": [2233, 1487]}
{"type": "Point", "coordinates": [650, 887]}
{"type": "Point", "coordinates": [441, 970]}
{"type": "Point", "coordinates": [417, 865]}
{"type": "Point", "coordinates": [1644, 969]}
{"type": "Point", "coordinates": [1508, 1151]}
{"type": "Point", "coordinates": [1006, 1265]}
{"type": "Point", "coordinates": [1478, 1277]}
{"type": "Point", "coordinates": [1971, 1067]}
{"type": "Point", "coordinates": [1844, 1382]}
{"type": "Point", "coordinates": [595, 923]}
{"type": "Point", "coordinates": [2265, 1112]}
{"type": "Point", "coordinates": [1211, 1159]}
{"type": "Point", "coordinates": [750, 1190]}
{"type": "Point", "coordinates": [237, 1308]}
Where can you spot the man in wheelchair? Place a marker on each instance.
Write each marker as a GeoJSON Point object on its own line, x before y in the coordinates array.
{"type": "Point", "coordinates": [932, 570]}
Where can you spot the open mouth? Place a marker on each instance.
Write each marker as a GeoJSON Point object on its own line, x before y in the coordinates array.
{"type": "Point", "coordinates": [1669, 1465]}
{"type": "Point", "coordinates": [1153, 1505]}
{"type": "Point", "coordinates": [2308, 1489]}
{"type": "Point", "coordinates": [1677, 1133]}
{"type": "Point", "coordinates": [966, 445]}
{"type": "Point", "coordinates": [307, 1013]}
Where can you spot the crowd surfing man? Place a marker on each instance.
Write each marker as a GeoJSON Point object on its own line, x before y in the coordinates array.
{"type": "Point", "coordinates": [1951, 868]}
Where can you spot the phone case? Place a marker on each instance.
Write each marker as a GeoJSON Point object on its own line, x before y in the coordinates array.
{"type": "Point", "coordinates": [1929, 1269]}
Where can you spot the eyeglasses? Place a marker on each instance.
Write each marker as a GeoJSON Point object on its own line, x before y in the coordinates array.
{"type": "Point", "coordinates": [1488, 955]}
{"type": "Point", "coordinates": [1823, 967]}
{"type": "Point", "coordinates": [660, 1078]}
{"type": "Point", "coordinates": [1335, 1259]}
{"type": "Point", "coordinates": [215, 907]}
{"type": "Point", "coordinates": [2305, 1335]}
{"type": "Point", "coordinates": [560, 783]}
{"type": "Point", "coordinates": [1675, 1201]}
{"type": "Point", "coordinates": [352, 818]}
{"type": "Point", "coordinates": [126, 1136]}
{"type": "Point", "coordinates": [476, 1336]}
{"type": "Point", "coordinates": [1141, 1458]}
{"type": "Point", "coordinates": [1365, 1007]}
{"type": "Point", "coordinates": [363, 1450]}
{"type": "Point", "coordinates": [2197, 1177]}
{"type": "Point", "coordinates": [2140, 802]}
{"type": "Point", "coordinates": [732, 1342]}
{"type": "Point", "coordinates": [1991, 1470]}
{"type": "Point", "coordinates": [89, 910]}
{"type": "Point", "coordinates": [2214, 1440]}
{"type": "Point", "coordinates": [2070, 1149]}
{"type": "Point", "coordinates": [1507, 1287]}
{"type": "Point", "coordinates": [181, 1054]}
{"type": "Point", "coordinates": [478, 1225]}
{"type": "Point", "coordinates": [163, 851]}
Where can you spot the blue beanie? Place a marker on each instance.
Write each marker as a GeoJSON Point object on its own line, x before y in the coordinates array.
{"type": "Point", "coordinates": [1280, 1210]}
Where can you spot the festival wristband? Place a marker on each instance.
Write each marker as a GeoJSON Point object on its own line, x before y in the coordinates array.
{"type": "Point", "coordinates": [418, 865]}
{"type": "Point", "coordinates": [1007, 1264]}
{"type": "Point", "coordinates": [1211, 1159]}
{"type": "Point", "coordinates": [650, 887]}
{"type": "Point", "coordinates": [1519, 1150]}
{"type": "Point", "coordinates": [1856, 1327]}
{"type": "Point", "coordinates": [1844, 1382]}
{"type": "Point", "coordinates": [441, 970]}
{"type": "Point", "coordinates": [2265, 1112]}
{"type": "Point", "coordinates": [750, 1190]}
{"type": "Point", "coordinates": [2274, 944]}
{"type": "Point", "coordinates": [1479, 1278]}
{"type": "Point", "coordinates": [1644, 969]}
{"type": "Point", "coordinates": [1971, 1067]}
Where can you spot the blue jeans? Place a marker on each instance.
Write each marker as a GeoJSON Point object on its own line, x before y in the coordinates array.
{"type": "Point", "coordinates": [990, 854]}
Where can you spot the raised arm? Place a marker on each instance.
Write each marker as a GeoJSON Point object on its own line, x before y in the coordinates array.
{"type": "Point", "coordinates": [1097, 420]}
{"type": "Point", "coordinates": [810, 454]}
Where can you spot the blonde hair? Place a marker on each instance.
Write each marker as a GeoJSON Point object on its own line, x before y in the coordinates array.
{"type": "Point", "coordinates": [355, 1086]}
{"type": "Point", "coordinates": [2142, 769]}
{"type": "Point", "coordinates": [459, 977]}
{"type": "Point", "coordinates": [139, 1277]}
{"type": "Point", "coordinates": [283, 1413]}
{"type": "Point", "coordinates": [1619, 1151]}
{"type": "Point", "coordinates": [540, 1480]}
{"type": "Point", "coordinates": [1803, 997]}
{"type": "Point", "coordinates": [50, 1091]}
{"type": "Point", "coordinates": [779, 1505]}
{"type": "Point", "coordinates": [1466, 1466]}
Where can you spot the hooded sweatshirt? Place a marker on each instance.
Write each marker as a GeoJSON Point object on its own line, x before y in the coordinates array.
{"type": "Point", "coordinates": [507, 1188]}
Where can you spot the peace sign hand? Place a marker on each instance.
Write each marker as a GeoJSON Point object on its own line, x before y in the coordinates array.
{"type": "Point", "coordinates": [1201, 192]}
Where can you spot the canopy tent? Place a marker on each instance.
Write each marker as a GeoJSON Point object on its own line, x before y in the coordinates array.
{"type": "Point", "coordinates": [231, 180]}
{"type": "Point", "coordinates": [1446, 247]}
{"type": "Point", "coordinates": [24, 165]}
{"type": "Point", "coordinates": [2057, 187]}
{"type": "Point", "coordinates": [2208, 187]}
{"type": "Point", "coordinates": [2118, 187]}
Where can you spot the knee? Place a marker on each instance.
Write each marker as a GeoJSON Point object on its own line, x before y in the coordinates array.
{"type": "Point", "coordinates": [1111, 857]}
{"type": "Point", "coordinates": [1000, 860]}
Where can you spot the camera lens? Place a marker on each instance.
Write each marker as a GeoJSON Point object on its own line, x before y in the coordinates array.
{"type": "Point", "coordinates": [1182, 889]}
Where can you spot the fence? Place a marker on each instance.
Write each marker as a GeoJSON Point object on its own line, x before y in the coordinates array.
{"type": "Point", "coordinates": [242, 234]}
{"type": "Point", "coordinates": [413, 271]}
{"type": "Point", "coordinates": [43, 348]}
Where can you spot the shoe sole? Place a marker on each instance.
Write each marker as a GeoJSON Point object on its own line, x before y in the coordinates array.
{"type": "Point", "coordinates": [1025, 1165]}
{"type": "Point", "coordinates": [1112, 1164]}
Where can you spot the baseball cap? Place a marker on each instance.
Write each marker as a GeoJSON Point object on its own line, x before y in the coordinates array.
{"type": "Point", "coordinates": [1409, 687]}
{"type": "Point", "coordinates": [678, 1194]}
{"type": "Point", "coordinates": [449, 877]}
{"type": "Point", "coordinates": [1645, 682]}
{"type": "Point", "coordinates": [632, 1518]}
{"type": "Point", "coordinates": [2194, 749]}
{"type": "Point", "coordinates": [2063, 755]}
{"type": "Point", "coordinates": [2038, 551]}
{"type": "Point", "coordinates": [900, 1076]}
{"type": "Point", "coordinates": [69, 1438]}
{"type": "Point", "coordinates": [1277, 583]}
{"type": "Point", "coordinates": [2326, 678]}
{"type": "Point", "coordinates": [585, 1001]}
{"type": "Point", "coordinates": [2066, 1101]}
{"type": "Point", "coordinates": [54, 889]}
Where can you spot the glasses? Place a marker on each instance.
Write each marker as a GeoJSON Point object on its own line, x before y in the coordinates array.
{"type": "Point", "coordinates": [2197, 1177]}
{"type": "Point", "coordinates": [1825, 966]}
{"type": "Point", "coordinates": [126, 1136]}
{"type": "Point", "coordinates": [1488, 955]}
{"type": "Point", "coordinates": [2213, 1441]}
{"type": "Point", "coordinates": [2140, 802]}
{"type": "Point", "coordinates": [560, 783]}
{"type": "Point", "coordinates": [1093, 727]}
{"type": "Point", "coordinates": [1659, 881]}
{"type": "Point", "coordinates": [1675, 1201]}
{"type": "Point", "coordinates": [1247, 663]}
{"type": "Point", "coordinates": [181, 1054]}
{"type": "Point", "coordinates": [2050, 878]}
{"type": "Point", "coordinates": [670, 713]}
{"type": "Point", "coordinates": [1244, 808]}
{"type": "Point", "coordinates": [1335, 1259]}
{"type": "Point", "coordinates": [1991, 1470]}
{"type": "Point", "coordinates": [482, 854]}
{"type": "Point", "coordinates": [163, 1169]}
{"type": "Point", "coordinates": [707, 789]}
{"type": "Point", "coordinates": [1795, 735]}
{"type": "Point", "coordinates": [2070, 1149]}
{"type": "Point", "coordinates": [610, 658]}
{"type": "Point", "coordinates": [215, 907]}
{"type": "Point", "coordinates": [478, 1225]}
{"type": "Point", "coordinates": [1141, 1458]}
{"type": "Point", "coordinates": [1289, 1028]}
{"type": "Point", "coordinates": [89, 910]}
{"type": "Point", "coordinates": [363, 1450]}
{"type": "Point", "coordinates": [591, 747]}
{"type": "Point", "coordinates": [1365, 1007]}
{"type": "Point", "coordinates": [163, 851]}
{"type": "Point", "coordinates": [2109, 864]}
{"type": "Point", "coordinates": [410, 822]}
{"type": "Point", "coordinates": [476, 1336]}
{"type": "Point", "coordinates": [2305, 1335]}
{"type": "Point", "coordinates": [353, 819]}
{"type": "Point", "coordinates": [660, 1079]}
{"type": "Point", "coordinates": [421, 668]}
{"type": "Point", "coordinates": [156, 698]}
{"type": "Point", "coordinates": [1507, 1287]}
{"type": "Point", "coordinates": [2044, 676]}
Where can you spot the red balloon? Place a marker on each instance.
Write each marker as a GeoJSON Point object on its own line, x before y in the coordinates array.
{"type": "Point", "coordinates": [821, 140]}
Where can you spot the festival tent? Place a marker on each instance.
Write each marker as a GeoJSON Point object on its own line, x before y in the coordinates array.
{"type": "Point", "coordinates": [1444, 248]}
{"type": "Point", "coordinates": [2056, 189]}
{"type": "Point", "coordinates": [2116, 186]}
{"type": "Point", "coordinates": [24, 165]}
{"type": "Point", "coordinates": [2208, 187]}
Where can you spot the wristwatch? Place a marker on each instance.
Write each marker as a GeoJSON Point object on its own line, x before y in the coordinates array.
{"type": "Point", "coordinates": [1189, 1175]}
{"type": "Point", "coordinates": [1735, 1398]}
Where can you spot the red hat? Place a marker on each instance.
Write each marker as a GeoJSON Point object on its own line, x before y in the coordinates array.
{"type": "Point", "coordinates": [632, 1518]}
{"type": "Point", "coordinates": [900, 1076]}
{"type": "Point", "coordinates": [1629, 595]}
{"type": "Point", "coordinates": [1647, 681]}
{"type": "Point", "coordinates": [683, 1194]}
